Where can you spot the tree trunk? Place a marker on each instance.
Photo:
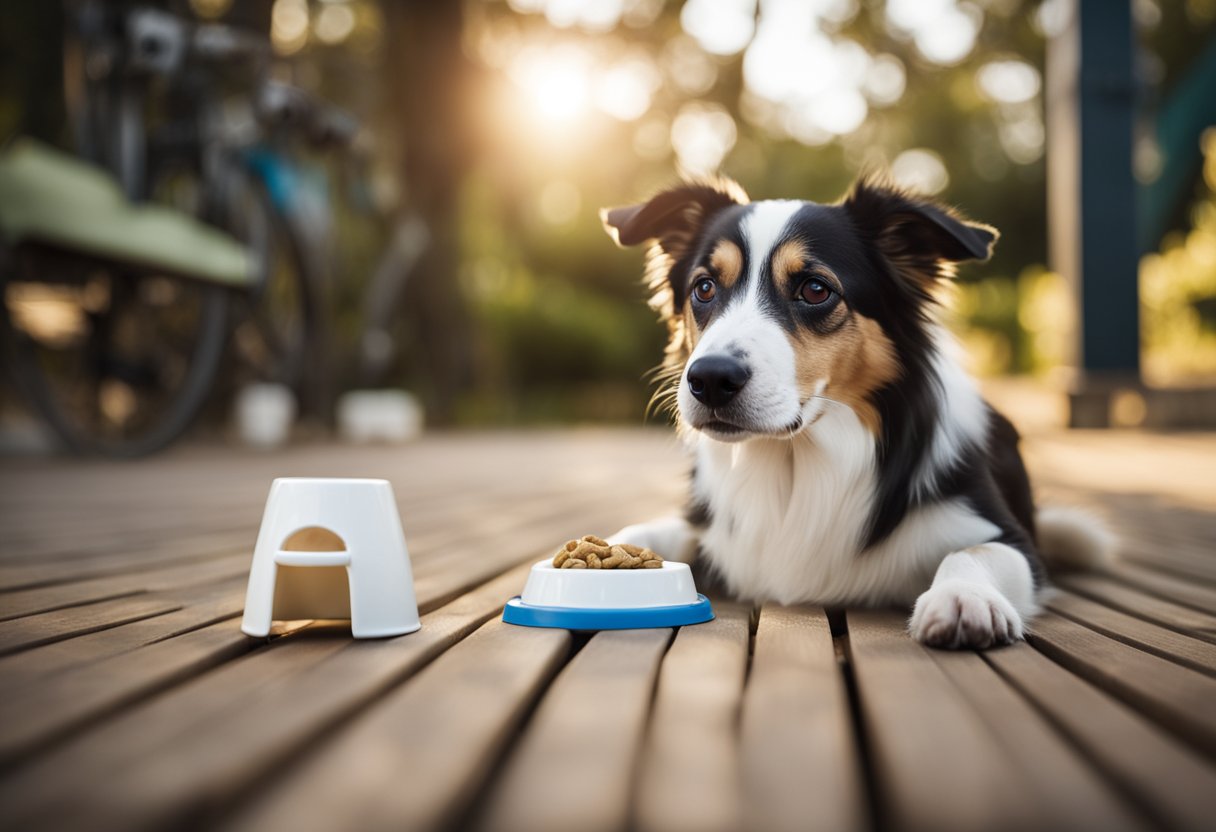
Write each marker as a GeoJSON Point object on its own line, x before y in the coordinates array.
{"type": "Point", "coordinates": [426, 83]}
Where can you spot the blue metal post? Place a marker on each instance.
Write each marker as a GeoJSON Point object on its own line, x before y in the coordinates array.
{"type": "Point", "coordinates": [1092, 195]}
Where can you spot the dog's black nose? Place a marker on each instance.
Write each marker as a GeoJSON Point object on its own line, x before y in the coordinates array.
{"type": "Point", "coordinates": [715, 379]}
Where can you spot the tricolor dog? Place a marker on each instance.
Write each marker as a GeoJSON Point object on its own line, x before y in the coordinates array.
{"type": "Point", "coordinates": [842, 454]}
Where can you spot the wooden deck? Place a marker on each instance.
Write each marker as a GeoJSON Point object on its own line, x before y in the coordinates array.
{"type": "Point", "coordinates": [129, 699]}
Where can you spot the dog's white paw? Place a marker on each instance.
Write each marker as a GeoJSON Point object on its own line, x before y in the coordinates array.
{"type": "Point", "coordinates": [963, 615]}
{"type": "Point", "coordinates": [670, 537]}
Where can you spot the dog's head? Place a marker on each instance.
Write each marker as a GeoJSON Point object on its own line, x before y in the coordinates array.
{"type": "Point", "coordinates": [778, 309]}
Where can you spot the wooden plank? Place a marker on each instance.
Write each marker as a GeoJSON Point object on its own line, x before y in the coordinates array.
{"type": "Point", "coordinates": [211, 604]}
{"type": "Point", "coordinates": [1178, 698]}
{"type": "Point", "coordinates": [33, 717]}
{"type": "Point", "coordinates": [84, 529]}
{"type": "Point", "coordinates": [481, 561]}
{"type": "Point", "coordinates": [1167, 551]}
{"type": "Point", "coordinates": [1069, 793]}
{"type": "Point", "coordinates": [32, 601]}
{"type": "Point", "coordinates": [799, 757]}
{"type": "Point", "coordinates": [1187, 593]}
{"type": "Point", "coordinates": [1184, 650]}
{"type": "Point", "coordinates": [574, 766]}
{"type": "Point", "coordinates": [86, 533]}
{"type": "Point", "coordinates": [185, 756]}
{"type": "Point", "coordinates": [439, 519]}
{"type": "Point", "coordinates": [1168, 780]}
{"type": "Point", "coordinates": [1166, 613]}
{"type": "Point", "coordinates": [689, 771]}
{"type": "Point", "coordinates": [127, 561]}
{"type": "Point", "coordinates": [937, 765]}
{"type": "Point", "coordinates": [485, 521]}
{"type": "Point", "coordinates": [74, 541]}
{"type": "Point", "coordinates": [416, 759]}
{"type": "Point", "coordinates": [33, 630]}
{"type": "Point", "coordinates": [151, 670]}
{"type": "Point", "coordinates": [465, 565]}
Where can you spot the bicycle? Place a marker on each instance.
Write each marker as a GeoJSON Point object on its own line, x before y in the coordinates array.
{"type": "Point", "coordinates": [145, 347]}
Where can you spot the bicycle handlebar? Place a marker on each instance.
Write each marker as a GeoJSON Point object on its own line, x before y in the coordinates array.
{"type": "Point", "coordinates": [160, 42]}
{"type": "Point", "coordinates": [285, 106]}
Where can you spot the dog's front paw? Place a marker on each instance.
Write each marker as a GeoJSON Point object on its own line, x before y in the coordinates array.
{"type": "Point", "coordinates": [962, 615]}
{"type": "Point", "coordinates": [670, 537]}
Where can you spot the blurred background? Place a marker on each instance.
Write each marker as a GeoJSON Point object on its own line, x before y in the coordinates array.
{"type": "Point", "coordinates": [408, 192]}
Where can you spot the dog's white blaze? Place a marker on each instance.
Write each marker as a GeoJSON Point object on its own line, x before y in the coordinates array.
{"type": "Point", "coordinates": [788, 518]}
{"type": "Point", "coordinates": [962, 416]}
{"type": "Point", "coordinates": [762, 228]}
{"type": "Point", "coordinates": [770, 400]}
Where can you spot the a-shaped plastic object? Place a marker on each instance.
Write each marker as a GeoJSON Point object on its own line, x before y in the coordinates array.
{"type": "Point", "coordinates": [608, 599]}
{"type": "Point", "coordinates": [332, 548]}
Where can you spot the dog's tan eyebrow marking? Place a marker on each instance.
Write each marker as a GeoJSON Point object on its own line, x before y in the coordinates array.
{"type": "Point", "coordinates": [792, 257]}
{"type": "Point", "coordinates": [727, 261]}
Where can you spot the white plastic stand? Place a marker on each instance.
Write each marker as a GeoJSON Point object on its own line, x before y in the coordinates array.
{"type": "Point", "coordinates": [332, 548]}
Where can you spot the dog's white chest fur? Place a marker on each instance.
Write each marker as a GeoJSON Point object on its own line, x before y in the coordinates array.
{"type": "Point", "coordinates": [788, 518]}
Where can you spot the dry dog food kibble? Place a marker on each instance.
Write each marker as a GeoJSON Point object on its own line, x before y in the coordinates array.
{"type": "Point", "coordinates": [593, 552]}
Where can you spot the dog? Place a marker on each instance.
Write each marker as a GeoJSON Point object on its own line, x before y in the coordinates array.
{"type": "Point", "coordinates": [842, 454]}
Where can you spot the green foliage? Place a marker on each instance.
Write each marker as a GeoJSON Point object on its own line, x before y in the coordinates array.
{"type": "Point", "coordinates": [1178, 293]}
{"type": "Point", "coordinates": [1013, 313]}
{"type": "Point", "coordinates": [557, 322]}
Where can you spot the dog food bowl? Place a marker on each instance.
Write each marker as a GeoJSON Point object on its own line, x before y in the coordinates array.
{"type": "Point", "coordinates": [608, 599]}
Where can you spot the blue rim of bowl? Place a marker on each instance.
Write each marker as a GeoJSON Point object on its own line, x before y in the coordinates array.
{"type": "Point", "coordinates": [588, 618]}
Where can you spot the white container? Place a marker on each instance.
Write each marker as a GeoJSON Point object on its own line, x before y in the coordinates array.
{"type": "Point", "coordinates": [548, 586]}
{"type": "Point", "coordinates": [379, 416]}
{"type": "Point", "coordinates": [264, 414]}
{"type": "Point", "coordinates": [332, 548]}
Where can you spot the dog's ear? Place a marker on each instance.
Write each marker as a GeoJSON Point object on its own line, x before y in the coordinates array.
{"type": "Point", "coordinates": [673, 217]}
{"type": "Point", "coordinates": [921, 237]}
{"type": "Point", "coordinates": [672, 220]}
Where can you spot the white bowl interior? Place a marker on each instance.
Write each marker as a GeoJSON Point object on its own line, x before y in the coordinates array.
{"type": "Point", "coordinates": [670, 586]}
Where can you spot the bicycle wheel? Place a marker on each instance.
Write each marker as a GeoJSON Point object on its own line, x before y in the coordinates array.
{"type": "Point", "coordinates": [117, 364]}
{"type": "Point", "coordinates": [279, 333]}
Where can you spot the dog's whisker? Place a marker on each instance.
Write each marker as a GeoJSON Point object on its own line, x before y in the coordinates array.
{"type": "Point", "coordinates": [663, 400]}
{"type": "Point", "coordinates": [827, 399]}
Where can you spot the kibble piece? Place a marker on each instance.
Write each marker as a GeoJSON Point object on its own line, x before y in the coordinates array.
{"type": "Point", "coordinates": [591, 552]}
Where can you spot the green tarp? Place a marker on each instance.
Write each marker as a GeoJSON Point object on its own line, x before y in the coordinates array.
{"type": "Point", "coordinates": [49, 197]}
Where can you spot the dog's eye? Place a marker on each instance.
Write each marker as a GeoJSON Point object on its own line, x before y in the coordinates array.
{"type": "Point", "coordinates": [704, 289]}
{"type": "Point", "coordinates": [814, 292]}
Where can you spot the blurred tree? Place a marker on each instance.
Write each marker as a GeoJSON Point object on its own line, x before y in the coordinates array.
{"type": "Point", "coordinates": [426, 85]}
{"type": "Point", "coordinates": [31, 71]}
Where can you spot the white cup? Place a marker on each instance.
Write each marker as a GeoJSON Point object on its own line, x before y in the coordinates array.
{"type": "Point", "coordinates": [264, 414]}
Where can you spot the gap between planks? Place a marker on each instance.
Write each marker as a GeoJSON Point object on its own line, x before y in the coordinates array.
{"type": "Point", "coordinates": [170, 760]}
{"type": "Point", "coordinates": [800, 753]}
{"type": "Point", "coordinates": [153, 676]}
{"type": "Point", "coordinates": [938, 763]}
